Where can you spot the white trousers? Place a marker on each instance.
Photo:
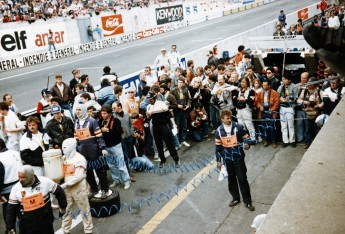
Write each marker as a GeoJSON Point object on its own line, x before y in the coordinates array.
{"type": "Point", "coordinates": [287, 124]}
{"type": "Point", "coordinates": [244, 117]}
{"type": "Point", "coordinates": [77, 194]}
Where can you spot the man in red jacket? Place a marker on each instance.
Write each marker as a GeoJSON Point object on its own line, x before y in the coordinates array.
{"type": "Point", "coordinates": [322, 6]}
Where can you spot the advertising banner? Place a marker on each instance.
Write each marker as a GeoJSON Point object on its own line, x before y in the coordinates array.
{"type": "Point", "coordinates": [112, 25]}
{"type": "Point", "coordinates": [169, 14]}
{"type": "Point", "coordinates": [303, 14]}
{"type": "Point", "coordinates": [25, 40]}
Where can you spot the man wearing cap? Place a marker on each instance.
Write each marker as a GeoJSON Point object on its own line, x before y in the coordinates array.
{"type": "Point", "coordinates": [311, 103]}
{"type": "Point", "coordinates": [60, 127]}
{"type": "Point", "coordinates": [43, 106]}
{"type": "Point", "coordinates": [160, 115]}
{"type": "Point", "coordinates": [162, 60]}
{"type": "Point", "coordinates": [30, 201]}
{"type": "Point", "coordinates": [75, 80]}
{"type": "Point", "coordinates": [288, 96]}
{"type": "Point", "coordinates": [131, 102]}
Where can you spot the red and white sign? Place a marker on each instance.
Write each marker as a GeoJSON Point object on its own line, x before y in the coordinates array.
{"type": "Point", "coordinates": [30, 40]}
{"type": "Point", "coordinates": [303, 14]}
{"type": "Point", "coordinates": [112, 25]}
{"type": "Point", "coordinates": [150, 32]}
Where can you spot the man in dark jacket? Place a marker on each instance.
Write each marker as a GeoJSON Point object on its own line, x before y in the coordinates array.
{"type": "Point", "coordinates": [275, 83]}
{"type": "Point", "coordinates": [63, 92]}
{"type": "Point", "coordinates": [30, 201]}
{"type": "Point", "coordinates": [59, 128]}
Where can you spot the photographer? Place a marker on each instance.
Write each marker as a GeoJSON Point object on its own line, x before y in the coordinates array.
{"type": "Point", "coordinates": [268, 106]}
{"type": "Point", "coordinates": [288, 96]}
{"type": "Point", "coordinates": [183, 99]}
{"type": "Point", "coordinates": [310, 100]}
{"type": "Point", "coordinates": [221, 99]}
{"type": "Point", "coordinates": [199, 123]}
{"type": "Point", "coordinates": [245, 103]}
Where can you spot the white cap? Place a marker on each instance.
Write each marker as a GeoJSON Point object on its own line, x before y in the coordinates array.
{"type": "Point", "coordinates": [163, 49]}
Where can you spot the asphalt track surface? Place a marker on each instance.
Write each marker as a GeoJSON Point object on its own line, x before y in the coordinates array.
{"type": "Point", "coordinates": [204, 210]}
{"type": "Point", "coordinates": [26, 83]}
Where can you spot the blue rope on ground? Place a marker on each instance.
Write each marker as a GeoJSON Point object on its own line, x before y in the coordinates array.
{"type": "Point", "coordinates": [134, 204]}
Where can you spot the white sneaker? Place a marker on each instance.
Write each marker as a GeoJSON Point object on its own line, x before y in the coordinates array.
{"type": "Point", "coordinates": [156, 158]}
{"type": "Point", "coordinates": [259, 138]}
{"type": "Point", "coordinates": [102, 194]}
{"type": "Point", "coordinates": [185, 144]}
{"type": "Point", "coordinates": [213, 132]}
{"type": "Point", "coordinates": [127, 186]}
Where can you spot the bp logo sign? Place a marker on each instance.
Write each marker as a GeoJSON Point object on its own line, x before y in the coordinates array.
{"type": "Point", "coordinates": [169, 14]}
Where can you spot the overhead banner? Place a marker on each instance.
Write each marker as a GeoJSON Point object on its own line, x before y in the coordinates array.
{"type": "Point", "coordinates": [169, 14]}
{"type": "Point", "coordinates": [26, 40]}
{"type": "Point", "coordinates": [112, 25]}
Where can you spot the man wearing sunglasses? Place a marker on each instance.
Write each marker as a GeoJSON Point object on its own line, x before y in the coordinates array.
{"type": "Point", "coordinates": [275, 83]}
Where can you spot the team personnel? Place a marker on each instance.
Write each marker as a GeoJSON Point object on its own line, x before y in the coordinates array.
{"type": "Point", "coordinates": [59, 128]}
{"type": "Point", "coordinates": [30, 201]}
{"type": "Point", "coordinates": [10, 163]}
{"type": "Point", "coordinates": [11, 127]}
{"type": "Point", "coordinates": [32, 145]}
{"type": "Point", "coordinates": [159, 113]}
{"type": "Point", "coordinates": [90, 145]}
{"type": "Point", "coordinates": [230, 138]}
{"type": "Point", "coordinates": [75, 186]}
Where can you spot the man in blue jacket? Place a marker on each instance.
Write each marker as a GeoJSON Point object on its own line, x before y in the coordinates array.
{"type": "Point", "coordinates": [230, 141]}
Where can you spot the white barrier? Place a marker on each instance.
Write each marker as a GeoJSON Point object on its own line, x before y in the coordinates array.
{"type": "Point", "coordinates": [25, 45]}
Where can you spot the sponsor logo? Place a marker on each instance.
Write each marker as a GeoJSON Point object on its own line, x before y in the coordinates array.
{"type": "Point", "coordinates": [284, 37]}
{"type": "Point", "coordinates": [112, 25]}
{"type": "Point", "coordinates": [303, 14]}
{"type": "Point", "coordinates": [169, 14]}
{"type": "Point", "coordinates": [150, 32]}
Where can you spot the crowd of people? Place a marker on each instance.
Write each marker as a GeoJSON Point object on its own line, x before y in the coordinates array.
{"type": "Point", "coordinates": [131, 128]}
{"type": "Point", "coordinates": [30, 11]}
{"type": "Point", "coordinates": [329, 18]}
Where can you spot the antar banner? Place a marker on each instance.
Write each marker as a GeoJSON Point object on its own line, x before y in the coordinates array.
{"type": "Point", "coordinates": [169, 14]}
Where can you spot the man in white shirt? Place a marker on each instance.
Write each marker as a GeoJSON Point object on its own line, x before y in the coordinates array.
{"type": "Point", "coordinates": [175, 57]}
{"type": "Point", "coordinates": [162, 60]}
{"type": "Point", "coordinates": [151, 78]}
{"type": "Point", "coordinates": [11, 127]}
{"type": "Point", "coordinates": [333, 21]}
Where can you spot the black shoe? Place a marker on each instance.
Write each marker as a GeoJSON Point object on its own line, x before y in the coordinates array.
{"type": "Point", "coordinates": [293, 145]}
{"type": "Point", "coordinates": [250, 207]}
{"type": "Point", "coordinates": [177, 164]}
{"type": "Point", "coordinates": [285, 145]}
{"type": "Point", "coordinates": [234, 203]}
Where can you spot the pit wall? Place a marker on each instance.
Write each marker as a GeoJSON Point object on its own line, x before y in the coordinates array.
{"type": "Point", "coordinates": [23, 44]}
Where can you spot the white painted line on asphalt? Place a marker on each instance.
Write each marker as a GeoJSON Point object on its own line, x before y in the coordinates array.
{"type": "Point", "coordinates": [75, 222]}
{"type": "Point", "coordinates": [183, 30]}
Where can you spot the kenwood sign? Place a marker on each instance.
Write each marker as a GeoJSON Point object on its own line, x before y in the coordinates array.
{"type": "Point", "coordinates": [169, 14]}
